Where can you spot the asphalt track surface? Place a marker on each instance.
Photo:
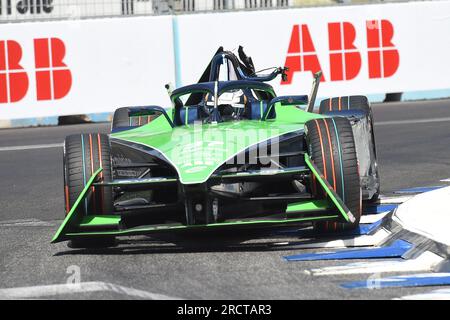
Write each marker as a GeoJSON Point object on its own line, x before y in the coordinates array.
{"type": "Point", "coordinates": [413, 141]}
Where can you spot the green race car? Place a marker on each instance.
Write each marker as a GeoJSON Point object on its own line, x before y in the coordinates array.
{"type": "Point", "coordinates": [229, 153]}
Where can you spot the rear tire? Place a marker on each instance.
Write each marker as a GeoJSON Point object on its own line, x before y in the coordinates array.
{"type": "Point", "coordinates": [83, 155]}
{"type": "Point", "coordinates": [370, 178]}
{"type": "Point", "coordinates": [345, 104]}
{"type": "Point", "coordinates": [121, 119]}
{"type": "Point", "coordinates": [332, 149]}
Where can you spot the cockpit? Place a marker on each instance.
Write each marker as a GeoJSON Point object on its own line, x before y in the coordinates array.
{"type": "Point", "coordinates": [222, 101]}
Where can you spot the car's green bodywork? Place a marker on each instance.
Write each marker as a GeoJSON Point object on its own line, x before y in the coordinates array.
{"type": "Point", "coordinates": [212, 145]}
{"type": "Point", "coordinates": [196, 151]}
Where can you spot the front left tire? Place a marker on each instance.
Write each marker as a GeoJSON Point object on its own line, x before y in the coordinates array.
{"type": "Point", "coordinates": [83, 155]}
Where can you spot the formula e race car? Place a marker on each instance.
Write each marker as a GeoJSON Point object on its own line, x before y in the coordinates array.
{"type": "Point", "coordinates": [229, 153]}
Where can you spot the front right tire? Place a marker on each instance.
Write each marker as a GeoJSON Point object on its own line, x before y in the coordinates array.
{"type": "Point", "coordinates": [351, 106]}
{"type": "Point", "coordinates": [331, 147]}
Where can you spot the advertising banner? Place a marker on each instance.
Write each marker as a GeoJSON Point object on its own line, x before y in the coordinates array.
{"type": "Point", "coordinates": [84, 66]}
{"type": "Point", "coordinates": [364, 49]}
{"type": "Point", "coordinates": [94, 66]}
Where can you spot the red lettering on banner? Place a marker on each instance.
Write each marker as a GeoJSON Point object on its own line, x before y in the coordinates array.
{"type": "Point", "coordinates": [53, 77]}
{"type": "Point", "coordinates": [302, 55]}
{"type": "Point", "coordinates": [13, 80]}
{"type": "Point", "coordinates": [345, 57]}
{"type": "Point", "coordinates": [345, 60]}
{"type": "Point", "coordinates": [383, 56]}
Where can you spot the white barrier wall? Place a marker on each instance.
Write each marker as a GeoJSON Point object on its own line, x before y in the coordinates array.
{"type": "Point", "coordinates": [412, 38]}
{"type": "Point", "coordinates": [79, 67]}
{"type": "Point", "coordinates": [93, 66]}
{"type": "Point", "coordinates": [21, 10]}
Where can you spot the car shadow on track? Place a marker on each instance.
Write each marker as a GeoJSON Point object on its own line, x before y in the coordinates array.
{"type": "Point", "coordinates": [196, 243]}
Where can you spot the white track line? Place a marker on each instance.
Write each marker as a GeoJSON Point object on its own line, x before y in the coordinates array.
{"type": "Point", "coordinates": [413, 121]}
{"type": "Point", "coordinates": [358, 241]}
{"type": "Point", "coordinates": [26, 223]}
{"type": "Point", "coordinates": [31, 147]}
{"type": "Point", "coordinates": [441, 294]}
{"type": "Point", "coordinates": [60, 289]}
{"type": "Point", "coordinates": [394, 200]}
{"type": "Point", "coordinates": [372, 218]}
{"type": "Point", "coordinates": [425, 262]}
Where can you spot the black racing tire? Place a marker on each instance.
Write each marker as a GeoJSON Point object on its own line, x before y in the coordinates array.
{"type": "Point", "coordinates": [121, 119]}
{"type": "Point", "coordinates": [357, 103]}
{"type": "Point", "coordinates": [83, 155]}
{"type": "Point", "coordinates": [345, 103]}
{"type": "Point", "coordinates": [331, 147]}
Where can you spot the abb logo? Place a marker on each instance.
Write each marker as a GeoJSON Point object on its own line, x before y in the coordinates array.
{"type": "Point", "coordinates": [344, 56]}
{"type": "Point", "coordinates": [53, 77]}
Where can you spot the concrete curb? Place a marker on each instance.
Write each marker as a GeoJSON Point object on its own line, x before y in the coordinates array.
{"type": "Point", "coordinates": [50, 121]}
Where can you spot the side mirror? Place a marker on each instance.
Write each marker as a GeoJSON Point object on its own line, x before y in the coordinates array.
{"type": "Point", "coordinates": [284, 101]}
{"type": "Point", "coordinates": [289, 100]}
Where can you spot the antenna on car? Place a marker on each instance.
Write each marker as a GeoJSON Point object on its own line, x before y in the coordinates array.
{"type": "Point", "coordinates": [315, 88]}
